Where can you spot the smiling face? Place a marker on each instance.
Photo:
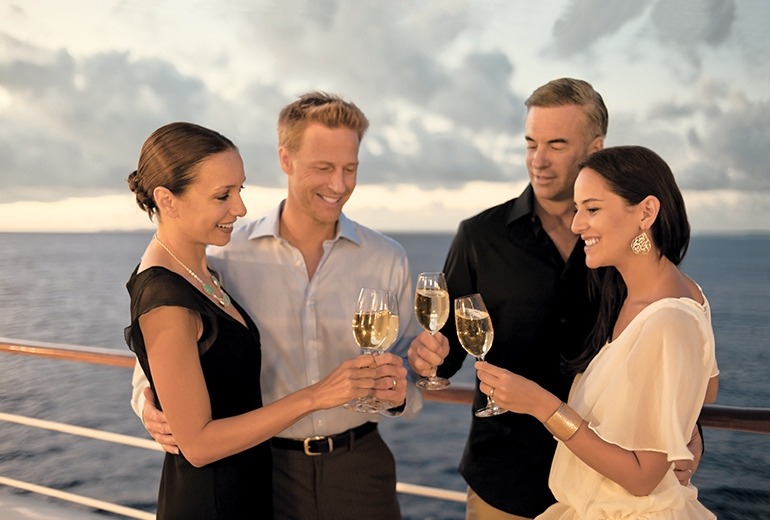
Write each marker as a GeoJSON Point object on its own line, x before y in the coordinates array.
{"type": "Point", "coordinates": [557, 141]}
{"type": "Point", "coordinates": [604, 220]}
{"type": "Point", "coordinates": [212, 203]}
{"type": "Point", "coordinates": [322, 175]}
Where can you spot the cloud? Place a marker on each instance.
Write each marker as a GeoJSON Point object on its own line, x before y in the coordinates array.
{"type": "Point", "coordinates": [435, 159]}
{"type": "Point", "coordinates": [750, 37]}
{"type": "Point", "coordinates": [443, 83]}
{"type": "Point", "coordinates": [685, 27]}
{"type": "Point", "coordinates": [727, 210]}
{"type": "Point", "coordinates": [363, 49]}
{"type": "Point", "coordinates": [725, 141]}
{"type": "Point", "coordinates": [585, 22]}
{"type": "Point", "coordinates": [738, 140]}
{"type": "Point", "coordinates": [687, 24]}
{"type": "Point", "coordinates": [479, 96]}
{"type": "Point", "coordinates": [75, 124]}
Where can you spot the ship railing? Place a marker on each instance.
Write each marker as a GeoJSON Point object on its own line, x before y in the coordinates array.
{"type": "Point", "coordinates": [755, 420]}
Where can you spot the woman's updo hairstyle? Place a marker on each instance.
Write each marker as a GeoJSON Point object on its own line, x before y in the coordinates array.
{"type": "Point", "coordinates": [169, 158]}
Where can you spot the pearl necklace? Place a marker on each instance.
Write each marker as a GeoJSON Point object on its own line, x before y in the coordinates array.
{"type": "Point", "coordinates": [224, 301]}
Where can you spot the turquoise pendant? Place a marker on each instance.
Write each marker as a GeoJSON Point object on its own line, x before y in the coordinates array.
{"type": "Point", "coordinates": [224, 301]}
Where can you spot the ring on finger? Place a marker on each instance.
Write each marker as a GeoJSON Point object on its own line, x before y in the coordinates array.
{"type": "Point", "coordinates": [395, 383]}
{"type": "Point", "coordinates": [492, 393]}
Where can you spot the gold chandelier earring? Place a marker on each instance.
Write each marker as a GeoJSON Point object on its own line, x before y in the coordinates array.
{"type": "Point", "coordinates": [641, 244]}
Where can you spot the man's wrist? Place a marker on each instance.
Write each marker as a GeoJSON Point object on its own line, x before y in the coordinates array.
{"type": "Point", "coordinates": [394, 410]}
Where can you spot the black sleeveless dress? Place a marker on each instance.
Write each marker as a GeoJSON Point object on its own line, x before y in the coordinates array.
{"type": "Point", "coordinates": [239, 486]}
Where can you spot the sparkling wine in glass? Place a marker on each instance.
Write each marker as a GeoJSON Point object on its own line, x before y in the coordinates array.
{"type": "Point", "coordinates": [393, 322]}
{"type": "Point", "coordinates": [391, 338]}
{"type": "Point", "coordinates": [371, 323]}
{"type": "Point", "coordinates": [474, 330]}
{"type": "Point", "coordinates": [431, 306]}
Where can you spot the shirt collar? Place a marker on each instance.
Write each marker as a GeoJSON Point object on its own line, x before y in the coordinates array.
{"type": "Point", "coordinates": [523, 206]}
{"type": "Point", "coordinates": [270, 226]}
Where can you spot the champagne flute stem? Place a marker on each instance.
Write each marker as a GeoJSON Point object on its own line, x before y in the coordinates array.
{"type": "Point", "coordinates": [490, 400]}
{"type": "Point", "coordinates": [433, 370]}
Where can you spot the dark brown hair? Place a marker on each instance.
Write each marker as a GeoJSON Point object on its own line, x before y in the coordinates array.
{"type": "Point", "coordinates": [633, 173]}
{"type": "Point", "coordinates": [169, 158]}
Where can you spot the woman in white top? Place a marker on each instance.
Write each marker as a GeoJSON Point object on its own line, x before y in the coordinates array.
{"type": "Point", "coordinates": [649, 364]}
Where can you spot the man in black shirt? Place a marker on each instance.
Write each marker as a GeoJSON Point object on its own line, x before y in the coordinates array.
{"type": "Point", "coordinates": [529, 267]}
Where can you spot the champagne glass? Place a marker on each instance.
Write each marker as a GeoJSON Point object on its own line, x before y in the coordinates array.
{"type": "Point", "coordinates": [393, 323]}
{"type": "Point", "coordinates": [474, 330]}
{"type": "Point", "coordinates": [392, 336]}
{"type": "Point", "coordinates": [431, 306]}
{"type": "Point", "coordinates": [371, 321]}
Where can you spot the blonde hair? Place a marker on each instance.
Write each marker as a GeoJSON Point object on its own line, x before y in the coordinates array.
{"type": "Point", "coordinates": [318, 107]}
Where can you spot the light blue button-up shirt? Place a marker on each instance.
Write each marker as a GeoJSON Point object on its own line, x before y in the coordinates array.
{"type": "Point", "coordinates": [305, 324]}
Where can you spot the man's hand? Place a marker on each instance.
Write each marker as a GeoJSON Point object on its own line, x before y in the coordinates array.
{"type": "Point", "coordinates": [684, 469]}
{"type": "Point", "coordinates": [426, 352]}
{"type": "Point", "coordinates": [390, 381]}
{"type": "Point", "coordinates": [155, 422]}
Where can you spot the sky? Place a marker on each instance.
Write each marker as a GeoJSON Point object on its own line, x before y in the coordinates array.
{"type": "Point", "coordinates": [443, 83]}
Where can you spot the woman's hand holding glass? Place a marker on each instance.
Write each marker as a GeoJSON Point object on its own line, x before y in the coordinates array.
{"type": "Point", "coordinates": [475, 332]}
{"type": "Point", "coordinates": [390, 387]}
{"type": "Point", "coordinates": [375, 328]}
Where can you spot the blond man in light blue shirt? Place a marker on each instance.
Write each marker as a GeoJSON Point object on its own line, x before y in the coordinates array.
{"type": "Point", "coordinates": [297, 271]}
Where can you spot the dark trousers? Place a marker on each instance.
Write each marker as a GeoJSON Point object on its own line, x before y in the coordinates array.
{"type": "Point", "coordinates": [345, 484]}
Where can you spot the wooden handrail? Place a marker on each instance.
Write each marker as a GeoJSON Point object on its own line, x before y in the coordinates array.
{"type": "Point", "coordinates": [754, 420]}
{"type": "Point", "coordinates": [97, 355]}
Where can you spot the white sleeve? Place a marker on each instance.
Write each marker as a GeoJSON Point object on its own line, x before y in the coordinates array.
{"type": "Point", "coordinates": [408, 331]}
{"type": "Point", "coordinates": [659, 380]}
{"type": "Point", "coordinates": [138, 383]}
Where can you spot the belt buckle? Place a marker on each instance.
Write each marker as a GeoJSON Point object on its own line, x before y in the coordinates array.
{"type": "Point", "coordinates": [306, 445]}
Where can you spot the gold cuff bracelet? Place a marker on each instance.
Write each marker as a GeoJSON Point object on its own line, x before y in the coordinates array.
{"type": "Point", "coordinates": [564, 422]}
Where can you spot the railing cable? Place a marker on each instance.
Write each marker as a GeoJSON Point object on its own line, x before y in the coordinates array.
{"type": "Point", "coordinates": [78, 499]}
{"type": "Point", "coordinates": [117, 438]}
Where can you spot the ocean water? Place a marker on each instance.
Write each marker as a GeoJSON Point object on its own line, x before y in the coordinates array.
{"type": "Point", "coordinates": [69, 288]}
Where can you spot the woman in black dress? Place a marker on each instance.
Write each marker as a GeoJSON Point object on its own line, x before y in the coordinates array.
{"type": "Point", "coordinates": [198, 348]}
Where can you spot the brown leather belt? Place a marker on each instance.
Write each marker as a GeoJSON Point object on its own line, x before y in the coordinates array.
{"type": "Point", "coordinates": [320, 444]}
